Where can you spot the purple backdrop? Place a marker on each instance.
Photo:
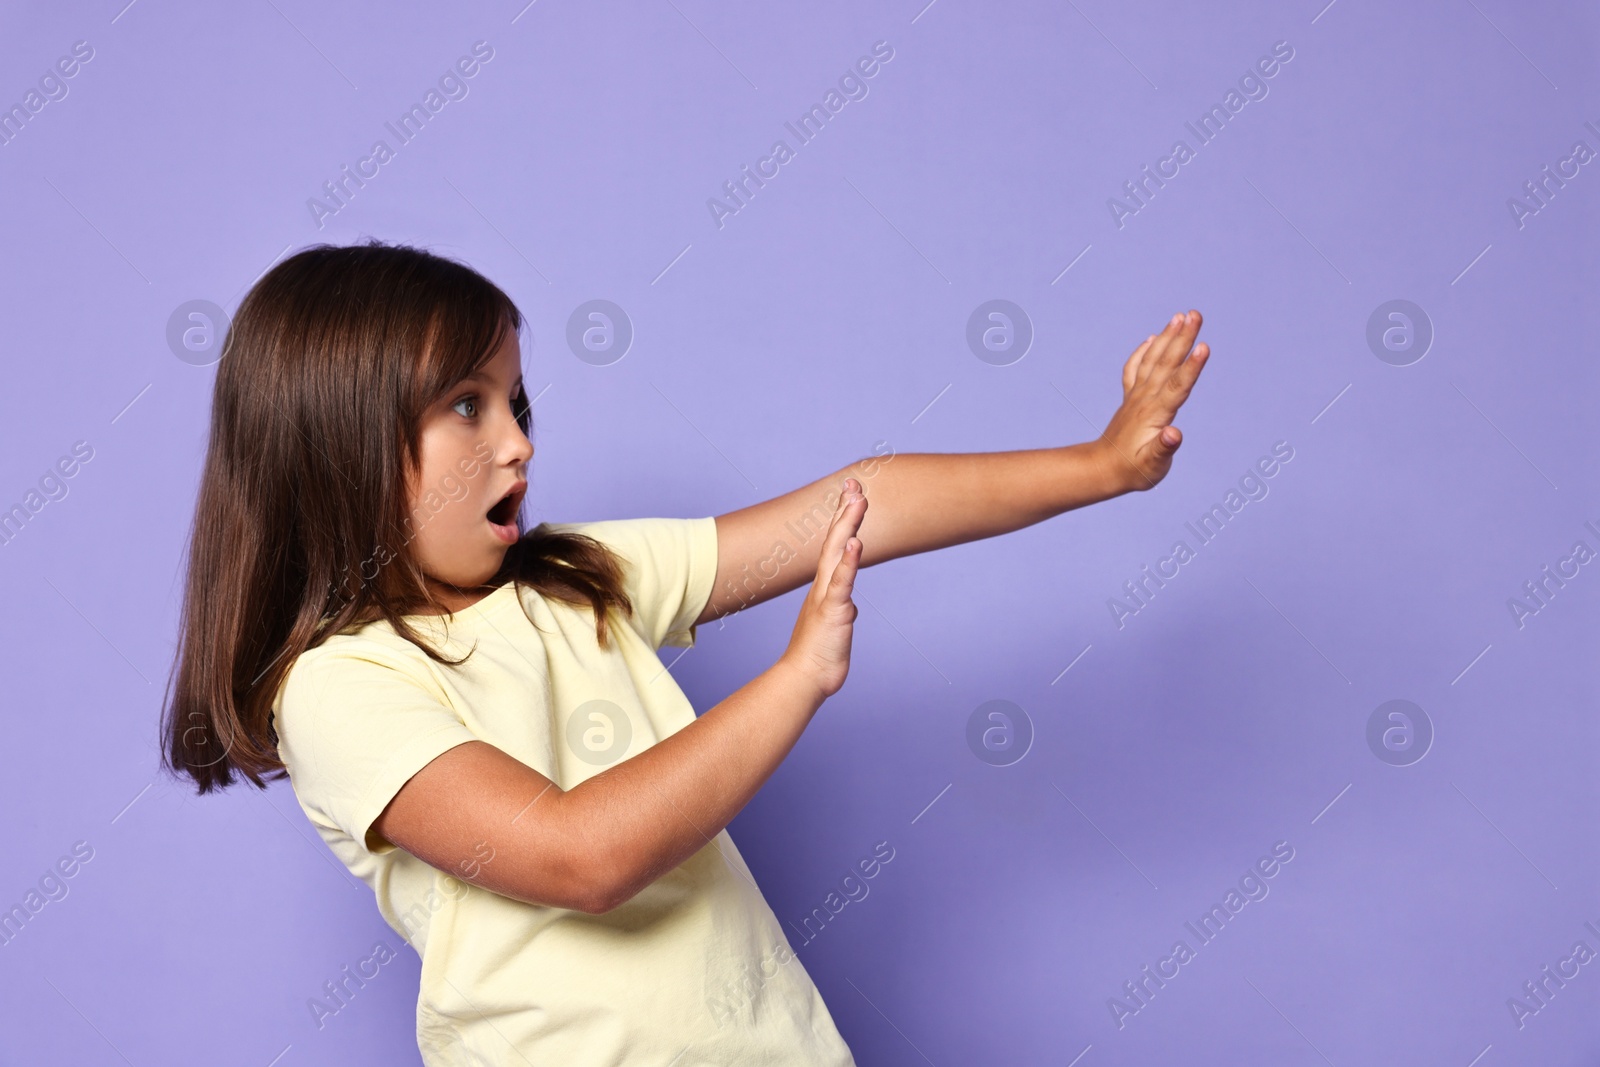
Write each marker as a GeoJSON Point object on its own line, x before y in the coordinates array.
{"type": "Point", "coordinates": [1393, 284]}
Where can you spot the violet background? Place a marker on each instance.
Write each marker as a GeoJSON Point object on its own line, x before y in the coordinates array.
{"type": "Point", "coordinates": [828, 315]}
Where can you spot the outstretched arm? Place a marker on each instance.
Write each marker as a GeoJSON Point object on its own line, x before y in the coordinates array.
{"type": "Point", "coordinates": [922, 501]}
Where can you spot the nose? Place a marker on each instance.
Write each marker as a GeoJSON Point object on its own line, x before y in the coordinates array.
{"type": "Point", "coordinates": [515, 446]}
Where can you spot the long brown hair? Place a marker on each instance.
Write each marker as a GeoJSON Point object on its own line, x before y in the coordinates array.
{"type": "Point", "coordinates": [303, 527]}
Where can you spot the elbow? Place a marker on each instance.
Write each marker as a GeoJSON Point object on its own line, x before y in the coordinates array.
{"type": "Point", "coordinates": [599, 903]}
{"type": "Point", "coordinates": [598, 896]}
{"type": "Point", "coordinates": [612, 882]}
{"type": "Point", "coordinates": [577, 889]}
{"type": "Point", "coordinates": [555, 872]}
{"type": "Point", "coordinates": [594, 881]}
{"type": "Point", "coordinates": [601, 866]}
{"type": "Point", "coordinates": [608, 889]}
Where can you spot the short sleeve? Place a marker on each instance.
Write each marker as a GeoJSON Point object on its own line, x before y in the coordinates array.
{"type": "Point", "coordinates": [670, 566]}
{"type": "Point", "coordinates": [355, 722]}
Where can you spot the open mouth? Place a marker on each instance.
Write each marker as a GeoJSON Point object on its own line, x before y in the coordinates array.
{"type": "Point", "coordinates": [504, 512]}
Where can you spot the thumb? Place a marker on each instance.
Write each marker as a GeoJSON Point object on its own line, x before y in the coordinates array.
{"type": "Point", "coordinates": [1168, 440]}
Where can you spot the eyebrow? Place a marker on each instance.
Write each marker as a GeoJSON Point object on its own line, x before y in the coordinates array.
{"type": "Point", "coordinates": [479, 376]}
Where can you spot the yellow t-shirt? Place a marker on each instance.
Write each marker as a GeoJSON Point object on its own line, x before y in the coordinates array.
{"type": "Point", "coordinates": [694, 970]}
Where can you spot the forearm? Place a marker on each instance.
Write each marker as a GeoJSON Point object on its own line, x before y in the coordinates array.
{"type": "Point", "coordinates": [922, 501]}
{"type": "Point", "coordinates": [648, 814]}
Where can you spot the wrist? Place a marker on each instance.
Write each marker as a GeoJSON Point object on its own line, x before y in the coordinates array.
{"type": "Point", "coordinates": [1117, 475]}
{"type": "Point", "coordinates": [795, 679]}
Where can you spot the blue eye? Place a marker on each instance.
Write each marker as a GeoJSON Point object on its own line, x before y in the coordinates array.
{"type": "Point", "coordinates": [473, 400]}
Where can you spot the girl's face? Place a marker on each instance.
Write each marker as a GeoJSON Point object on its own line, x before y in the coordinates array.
{"type": "Point", "coordinates": [473, 477]}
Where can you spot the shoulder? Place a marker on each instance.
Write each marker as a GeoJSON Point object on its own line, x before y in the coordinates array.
{"type": "Point", "coordinates": [375, 643]}
{"type": "Point", "coordinates": [632, 531]}
{"type": "Point", "coordinates": [348, 663]}
{"type": "Point", "coordinates": [647, 541]}
{"type": "Point", "coordinates": [357, 717]}
{"type": "Point", "coordinates": [669, 568]}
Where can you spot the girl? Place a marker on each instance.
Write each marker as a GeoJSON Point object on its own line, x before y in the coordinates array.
{"type": "Point", "coordinates": [475, 718]}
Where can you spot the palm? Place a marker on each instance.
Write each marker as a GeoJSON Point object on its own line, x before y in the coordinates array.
{"type": "Point", "coordinates": [1156, 380]}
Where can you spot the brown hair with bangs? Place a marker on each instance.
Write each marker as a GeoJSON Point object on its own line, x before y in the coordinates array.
{"type": "Point", "coordinates": [303, 526]}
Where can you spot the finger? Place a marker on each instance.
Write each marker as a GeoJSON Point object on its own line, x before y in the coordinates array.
{"type": "Point", "coordinates": [1179, 343]}
{"type": "Point", "coordinates": [842, 558]}
{"type": "Point", "coordinates": [1130, 369]}
{"type": "Point", "coordinates": [851, 487]}
{"type": "Point", "coordinates": [1188, 372]}
{"type": "Point", "coordinates": [846, 521]}
{"type": "Point", "coordinates": [1159, 449]}
{"type": "Point", "coordinates": [1158, 348]}
{"type": "Point", "coordinates": [824, 556]}
{"type": "Point", "coordinates": [851, 510]}
{"type": "Point", "coordinates": [1180, 382]}
{"type": "Point", "coordinates": [843, 580]}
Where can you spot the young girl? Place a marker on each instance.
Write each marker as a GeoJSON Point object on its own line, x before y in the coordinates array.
{"type": "Point", "coordinates": [475, 718]}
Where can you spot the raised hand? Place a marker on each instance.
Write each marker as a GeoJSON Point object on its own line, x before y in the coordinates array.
{"type": "Point", "coordinates": [1140, 439]}
{"type": "Point", "coordinates": [820, 646]}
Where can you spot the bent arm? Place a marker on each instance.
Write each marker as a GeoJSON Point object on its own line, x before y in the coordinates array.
{"type": "Point", "coordinates": [486, 818]}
